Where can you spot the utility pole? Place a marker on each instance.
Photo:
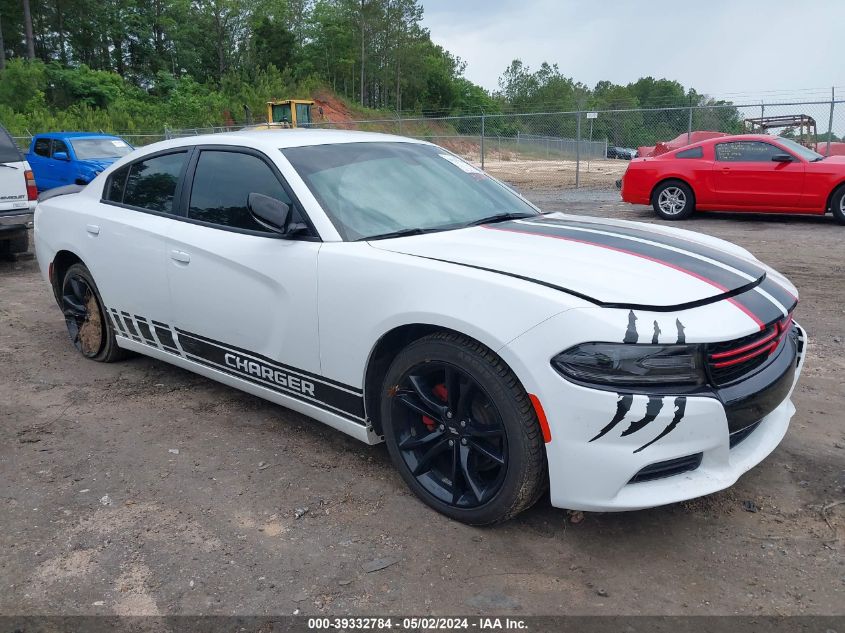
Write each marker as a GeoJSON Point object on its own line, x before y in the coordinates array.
{"type": "Point", "coordinates": [689, 122]}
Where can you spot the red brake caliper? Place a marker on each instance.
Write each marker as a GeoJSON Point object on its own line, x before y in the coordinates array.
{"type": "Point", "coordinates": [443, 395]}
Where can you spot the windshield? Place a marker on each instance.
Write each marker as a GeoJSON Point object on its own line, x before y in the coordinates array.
{"type": "Point", "coordinates": [108, 147]}
{"type": "Point", "coordinates": [372, 190]}
{"type": "Point", "coordinates": [796, 148]}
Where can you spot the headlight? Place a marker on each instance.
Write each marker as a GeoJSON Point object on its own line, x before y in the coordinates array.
{"type": "Point", "coordinates": [626, 364]}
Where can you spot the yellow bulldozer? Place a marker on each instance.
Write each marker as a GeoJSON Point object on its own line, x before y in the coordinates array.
{"type": "Point", "coordinates": [289, 113]}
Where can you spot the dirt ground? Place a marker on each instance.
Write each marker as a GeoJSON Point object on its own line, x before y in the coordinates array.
{"type": "Point", "coordinates": [528, 175]}
{"type": "Point", "coordinates": [139, 488]}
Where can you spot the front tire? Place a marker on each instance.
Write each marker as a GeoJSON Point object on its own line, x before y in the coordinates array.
{"type": "Point", "coordinates": [462, 431]}
{"type": "Point", "coordinates": [673, 200]}
{"type": "Point", "coordinates": [89, 328]}
{"type": "Point", "coordinates": [837, 205]}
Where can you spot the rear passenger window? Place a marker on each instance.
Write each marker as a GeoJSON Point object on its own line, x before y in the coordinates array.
{"type": "Point", "coordinates": [222, 184]}
{"type": "Point", "coordinates": [117, 182]}
{"type": "Point", "coordinates": [152, 183]}
{"type": "Point", "coordinates": [42, 147]}
{"type": "Point", "coordinates": [693, 152]}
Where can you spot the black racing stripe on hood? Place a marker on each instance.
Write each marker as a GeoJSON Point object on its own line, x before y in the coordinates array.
{"type": "Point", "coordinates": [781, 294]}
{"type": "Point", "coordinates": [762, 308]}
{"type": "Point", "coordinates": [722, 278]}
{"type": "Point", "coordinates": [603, 304]}
{"type": "Point", "coordinates": [728, 259]}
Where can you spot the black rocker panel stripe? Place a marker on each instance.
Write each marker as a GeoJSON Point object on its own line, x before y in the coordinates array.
{"type": "Point", "coordinates": [130, 325]}
{"type": "Point", "coordinates": [165, 336]}
{"type": "Point", "coordinates": [262, 371]}
{"type": "Point", "coordinates": [145, 330]}
{"type": "Point", "coordinates": [116, 320]}
{"type": "Point", "coordinates": [266, 359]}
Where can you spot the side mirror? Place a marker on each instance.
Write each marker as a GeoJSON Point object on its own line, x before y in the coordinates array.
{"type": "Point", "coordinates": [782, 158]}
{"type": "Point", "coordinates": [269, 212]}
{"type": "Point", "coordinates": [61, 156]}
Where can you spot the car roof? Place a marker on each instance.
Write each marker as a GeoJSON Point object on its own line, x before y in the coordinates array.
{"type": "Point", "coordinates": [282, 138]}
{"type": "Point", "coordinates": [722, 139]}
{"type": "Point", "coordinates": [76, 135]}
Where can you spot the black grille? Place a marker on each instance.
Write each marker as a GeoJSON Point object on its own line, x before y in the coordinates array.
{"type": "Point", "coordinates": [739, 436]}
{"type": "Point", "coordinates": [668, 468]}
{"type": "Point", "coordinates": [731, 360]}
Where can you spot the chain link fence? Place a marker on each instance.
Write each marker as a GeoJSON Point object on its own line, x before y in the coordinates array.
{"type": "Point", "coordinates": [551, 150]}
{"type": "Point", "coordinates": [557, 150]}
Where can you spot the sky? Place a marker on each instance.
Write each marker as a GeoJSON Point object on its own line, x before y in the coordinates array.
{"type": "Point", "coordinates": [710, 45]}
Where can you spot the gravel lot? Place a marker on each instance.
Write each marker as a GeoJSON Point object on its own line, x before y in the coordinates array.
{"type": "Point", "coordinates": [139, 488]}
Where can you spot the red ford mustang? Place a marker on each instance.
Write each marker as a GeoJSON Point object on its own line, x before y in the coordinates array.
{"type": "Point", "coordinates": [749, 172]}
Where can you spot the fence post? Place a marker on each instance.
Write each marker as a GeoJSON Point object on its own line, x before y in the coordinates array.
{"type": "Point", "coordinates": [689, 123]}
{"type": "Point", "coordinates": [830, 121]}
{"type": "Point", "coordinates": [482, 140]}
{"type": "Point", "coordinates": [578, 151]}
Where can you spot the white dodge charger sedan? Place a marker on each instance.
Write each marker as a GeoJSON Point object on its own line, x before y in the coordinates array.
{"type": "Point", "coordinates": [389, 289]}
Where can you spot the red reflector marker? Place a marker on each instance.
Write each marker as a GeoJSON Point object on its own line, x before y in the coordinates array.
{"type": "Point", "coordinates": [541, 417]}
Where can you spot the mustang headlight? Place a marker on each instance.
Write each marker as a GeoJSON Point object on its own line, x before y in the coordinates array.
{"type": "Point", "coordinates": [622, 364]}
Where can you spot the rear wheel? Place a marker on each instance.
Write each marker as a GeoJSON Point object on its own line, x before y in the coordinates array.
{"type": "Point", "coordinates": [461, 430]}
{"type": "Point", "coordinates": [673, 200]}
{"type": "Point", "coordinates": [88, 327]}
{"type": "Point", "coordinates": [837, 205]}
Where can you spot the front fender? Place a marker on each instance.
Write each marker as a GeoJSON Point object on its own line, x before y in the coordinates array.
{"type": "Point", "coordinates": [366, 292]}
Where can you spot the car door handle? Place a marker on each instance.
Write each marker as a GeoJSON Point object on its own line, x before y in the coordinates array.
{"type": "Point", "coordinates": [92, 229]}
{"type": "Point", "coordinates": [180, 256]}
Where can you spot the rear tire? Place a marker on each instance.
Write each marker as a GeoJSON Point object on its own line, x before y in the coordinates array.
{"type": "Point", "coordinates": [15, 244]}
{"type": "Point", "coordinates": [837, 205]}
{"type": "Point", "coordinates": [462, 431]}
{"type": "Point", "coordinates": [673, 200]}
{"type": "Point", "coordinates": [89, 328]}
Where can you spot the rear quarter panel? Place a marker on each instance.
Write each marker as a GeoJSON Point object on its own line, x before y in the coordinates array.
{"type": "Point", "coordinates": [644, 174]}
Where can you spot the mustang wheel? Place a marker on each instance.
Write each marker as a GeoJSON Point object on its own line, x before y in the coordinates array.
{"type": "Point", "coordinates": [87, 325]}
{"type": "Point", "coordinates": [673, 200]}
{"type": "Point", "coordinates": [837, 205]}
{"type": "Point", "coordinates": [462, 431]}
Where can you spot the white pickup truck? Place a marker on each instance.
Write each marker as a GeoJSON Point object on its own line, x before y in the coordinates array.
{"type": "Point", "coordinates": [18, 196]}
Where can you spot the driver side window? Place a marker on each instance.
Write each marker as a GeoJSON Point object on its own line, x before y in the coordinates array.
{"type": "Point", "coordinates": [60, 146]}
{"type": "Point", "coordinates": [746, 152]}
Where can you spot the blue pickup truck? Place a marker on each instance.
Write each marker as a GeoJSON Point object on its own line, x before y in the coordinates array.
{"type": "Point", "coordinates": [72, 158]}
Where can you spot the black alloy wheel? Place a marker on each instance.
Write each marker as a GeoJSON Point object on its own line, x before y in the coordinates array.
{"type": "Point", "coordinates": [450, 434]}
{"type": "Point", "coordinates": [461, 430]}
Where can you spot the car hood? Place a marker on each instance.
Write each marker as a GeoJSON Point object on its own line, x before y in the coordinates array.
{"type": "Point", "coordinates": [606, 262]}
{"type": "Point", "coordinates": [97, 164]}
